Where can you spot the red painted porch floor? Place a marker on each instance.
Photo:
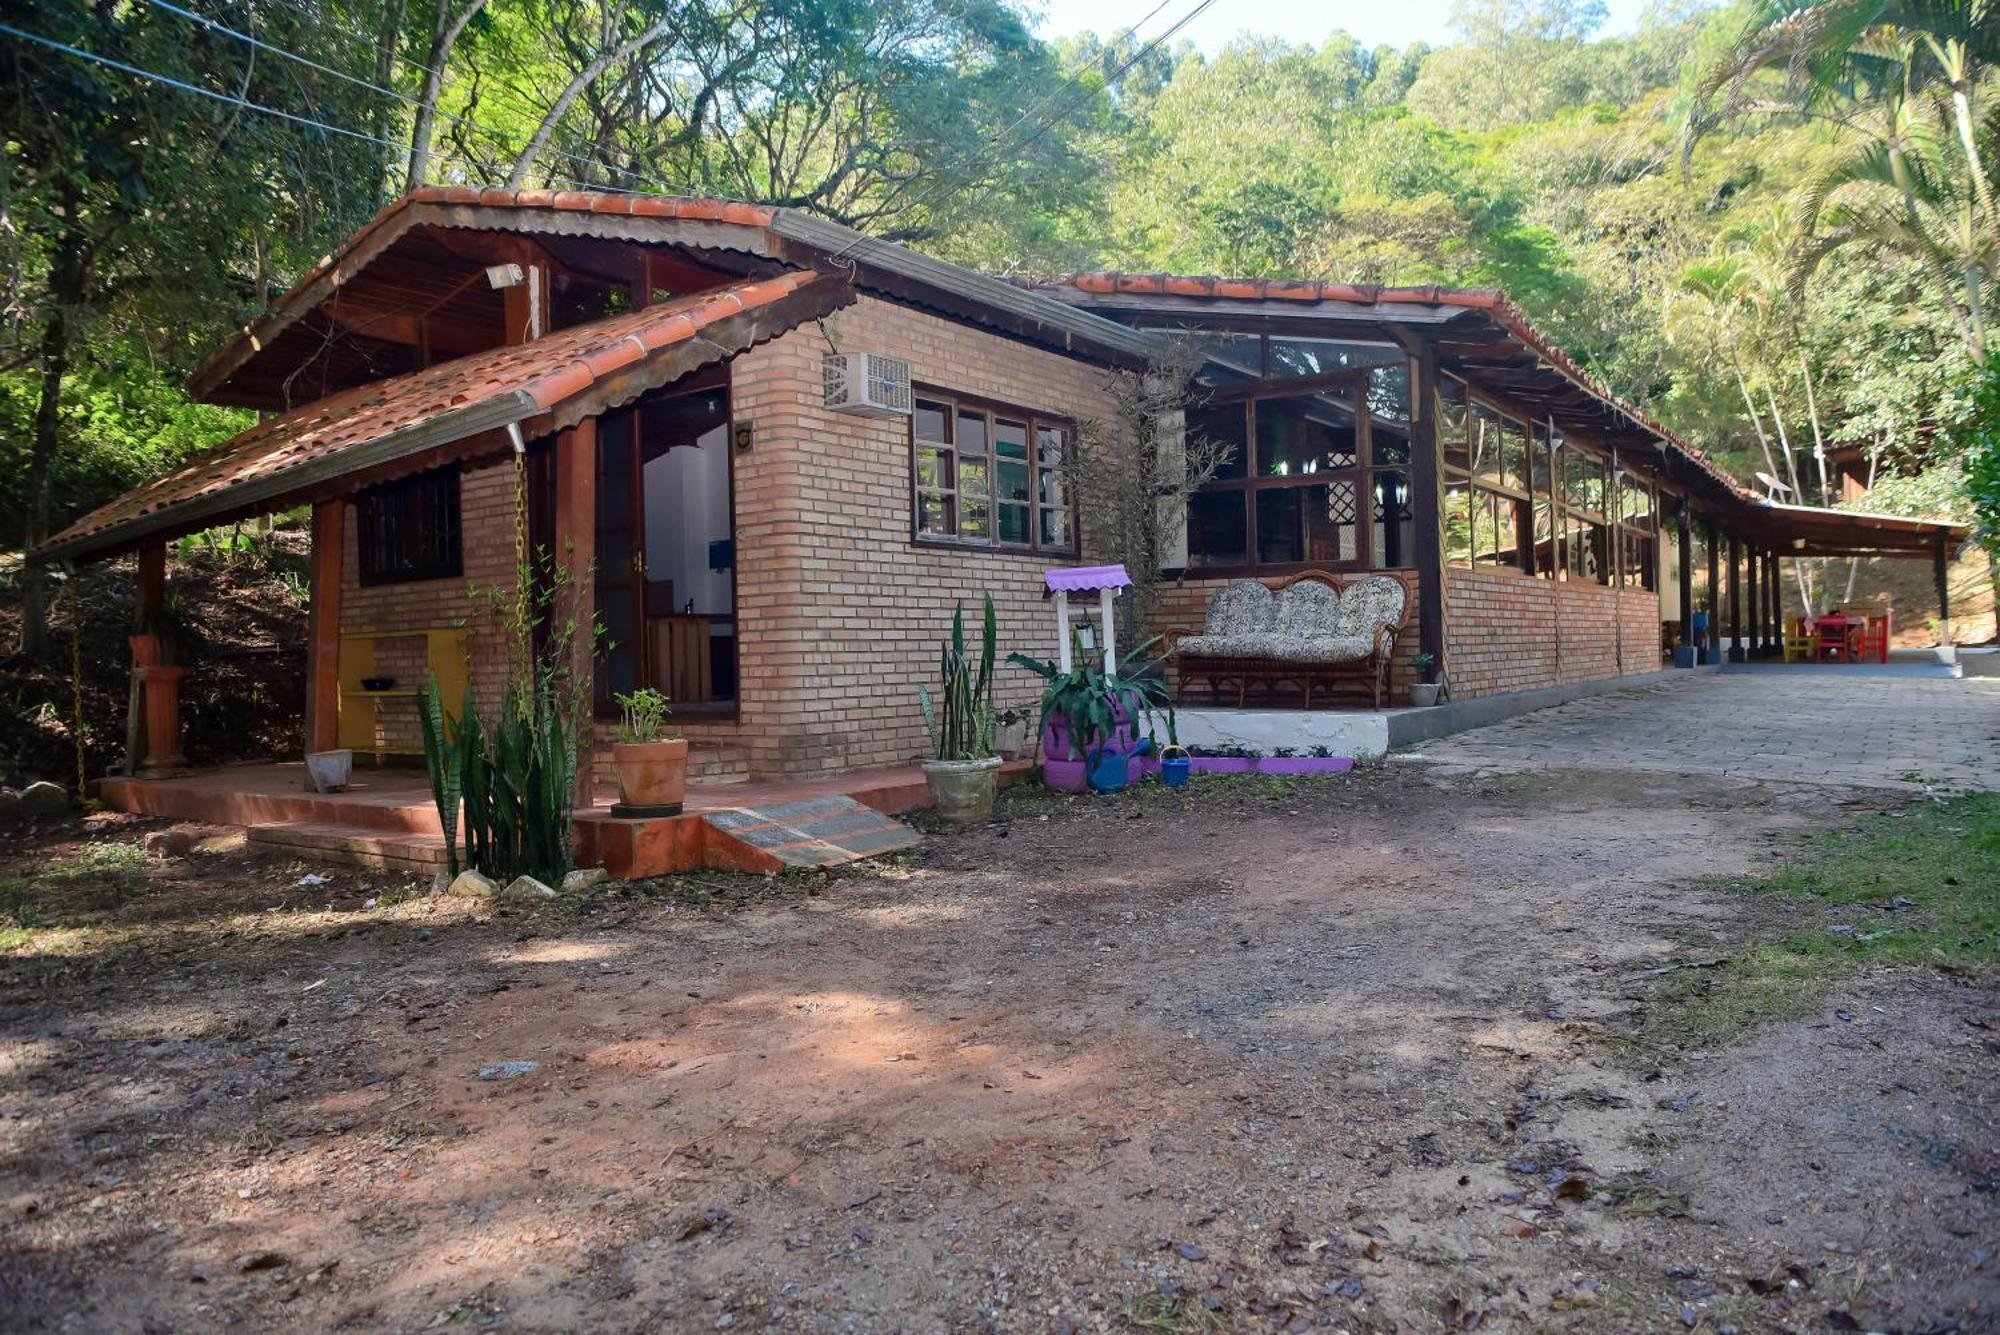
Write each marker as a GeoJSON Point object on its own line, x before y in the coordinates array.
{"type": "Point", "coordinates": [385, 818]}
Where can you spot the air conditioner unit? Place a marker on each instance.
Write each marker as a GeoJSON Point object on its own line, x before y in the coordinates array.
{"type": "Point", "coordinates": [867, 385]}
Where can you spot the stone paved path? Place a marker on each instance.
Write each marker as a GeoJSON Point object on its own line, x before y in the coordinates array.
{"type": "Point", "coordinates": [1794, 725]}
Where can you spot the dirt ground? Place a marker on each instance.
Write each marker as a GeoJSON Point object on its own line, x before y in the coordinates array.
{"type": "Point", "coordinates": [1367, 1054]}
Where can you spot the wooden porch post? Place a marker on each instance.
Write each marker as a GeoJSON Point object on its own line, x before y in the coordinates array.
{"type": "Point", "coordinates": [1425, 506]}
{"type": "Point", "coordinates": [1940, 572]}
{"type": "Point", "coordinates": [1755, 588]}
{"type": "Point", "coordinates": [1736, 654]}
{"type": "Point", "coordinates": [1684, 542]}
{"type": "Point", "coordinates": [152, 598]}
{"type": "Point", "coordinates": [1709, 650]}
{"type": "Point", "coordinates": [1774, 601]}
{"type": "Point", "coordinates": [329, 533]}
{"type": "Point", "coordinates": [576, 556]}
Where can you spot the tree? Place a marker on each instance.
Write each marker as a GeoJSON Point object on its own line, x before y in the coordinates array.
{"type": "Point", "coordinates": [123, 192]}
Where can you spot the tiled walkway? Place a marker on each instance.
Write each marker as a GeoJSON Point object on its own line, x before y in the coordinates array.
{"type": "Point", "coordinates": [1796, 725]}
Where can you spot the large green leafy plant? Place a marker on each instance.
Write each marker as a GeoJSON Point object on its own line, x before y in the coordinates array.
{"type": "Point", "coordinates": [960, 716]}
{"type": "Point", "coordinates": [514, 779]}
{"type": "Point", "coordinates": [1090, 703]}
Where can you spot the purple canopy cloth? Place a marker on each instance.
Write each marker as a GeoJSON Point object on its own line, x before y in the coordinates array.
{"type": "Point", "coordinates": [1080, 578]}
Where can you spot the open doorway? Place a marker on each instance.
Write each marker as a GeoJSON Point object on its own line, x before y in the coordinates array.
{"type": "Point", "coordinates": [666, 558]}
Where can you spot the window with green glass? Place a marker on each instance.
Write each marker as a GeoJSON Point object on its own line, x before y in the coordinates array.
{"type": "Point", "coordinates": [988, 476]}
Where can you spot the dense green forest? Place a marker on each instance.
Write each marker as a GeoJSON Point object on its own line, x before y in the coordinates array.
{"type": "Point", "coordinates": [1773, 229]}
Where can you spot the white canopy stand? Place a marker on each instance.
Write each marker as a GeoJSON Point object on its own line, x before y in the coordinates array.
{"type": "Point", "coordinates": [1108, 582]}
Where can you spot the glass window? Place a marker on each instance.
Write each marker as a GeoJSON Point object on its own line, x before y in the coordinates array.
{"type": "Point", "coordinates": [407, 530]}
{"type": "Point", "coordinates": [1587, 555]}
{"type": "Point", "coordinates": [982, 477]}
{"type": "Point", "coordinates": [1225, 424]}
{"type": "Point", "coordinates": [1453, 424]}
{"type": "Point", "coordinates": [1635, 503]}
{"type": "Point", "coordinates": [1315, 524]}
{"type": "Point", "coordinates": [1302, 436]}
{"type": "Point", "coordinates": [1496, 530]}
{"type": "Point", "coordinates": [1389, 393]}
{"type": "Point", "coordinates": [1394, 536]}
{"type": "Point", "coordinates": [1239, 356]}
{"type": "Point", "coordinates": [1583, 480]}
{"type": "Point", "coordinates": [936, 469]}
{"type": "Point", "coordinates": [1318, 356]}
{"type": "Point", "coordinates": [1457, 535]}
{"type": "Point", "coordinates": [1547, 556]}
{"type": "Point", "coordinates": [1218, 531]}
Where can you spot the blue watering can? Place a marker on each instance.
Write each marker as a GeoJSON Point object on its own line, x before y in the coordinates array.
{"type": "Point", "coordinates": [1110, 768]}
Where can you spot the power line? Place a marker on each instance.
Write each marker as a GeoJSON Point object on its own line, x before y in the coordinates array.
{"type": "Point", "coordinates": [405, 98]}
{"type": "Point", "coordinates": [154, 76]}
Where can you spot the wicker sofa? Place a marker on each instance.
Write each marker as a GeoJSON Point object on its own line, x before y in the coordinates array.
{"type": "Point", "coordinates": [1313, 630]}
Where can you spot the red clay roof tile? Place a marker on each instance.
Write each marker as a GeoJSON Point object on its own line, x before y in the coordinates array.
{"type": "Point", "coordinates": [548, 370]}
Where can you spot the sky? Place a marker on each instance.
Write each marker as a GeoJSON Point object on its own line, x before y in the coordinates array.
{"type": "Point", "coordinates": [1395, 22]}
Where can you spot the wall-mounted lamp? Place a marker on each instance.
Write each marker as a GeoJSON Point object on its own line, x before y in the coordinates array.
{"type": "Point", "coordinates": [504, 275]}
{"type": "Point", "coordinates": [743, 435]}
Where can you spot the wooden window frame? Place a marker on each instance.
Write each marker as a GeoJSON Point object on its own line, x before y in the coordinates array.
{"type": "Point", "coordinates": [421, 552]}
{"type": "Point", "coordinates": [1521, 500]}
{"type": "Point", "coordinates": [1361, 475]}
{"type": "Point", "coordinates": [1035, 424]}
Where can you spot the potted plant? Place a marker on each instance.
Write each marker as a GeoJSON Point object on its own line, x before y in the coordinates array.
{"type": "Point", "coordinates": [652, 767]}
{"type": "Point", "coordinates": [962, 771]}
{"type": "Point", "coordinates": [1424, 691]}
{"type": "Point", "coordinates": [1087, 713]}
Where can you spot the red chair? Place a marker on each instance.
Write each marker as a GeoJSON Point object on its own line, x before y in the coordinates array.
{"type": "Point", "coordinates": [1873, 641]}
{"type": "Point", "coordinates": [1833, 639]}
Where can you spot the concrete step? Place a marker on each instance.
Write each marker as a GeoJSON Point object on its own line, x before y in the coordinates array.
{"type": "Point", "coordinates": [353, 845]}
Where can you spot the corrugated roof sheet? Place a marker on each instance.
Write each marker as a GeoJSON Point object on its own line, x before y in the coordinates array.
{"type": "Point", "coordinates": [766, 229]}
{"type": "Point", "coordinates": [377, 423]}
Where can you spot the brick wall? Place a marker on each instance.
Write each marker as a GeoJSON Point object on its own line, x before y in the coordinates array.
{"type": "Point", "coordinates": [1183, 605]}
{"type": "Point", "coordinates": [486, 523]}
{"type": "Point", "coordinates": [839, 613]}
{"type": "Point", "coordinates": [1508, 632]}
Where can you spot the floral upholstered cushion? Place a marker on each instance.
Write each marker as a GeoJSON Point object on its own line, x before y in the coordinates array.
{"type": "Point", "coordinates": [1310, 622]}
{"type": "Point", "coordinates": [1243, 607]}
{"type": "Point", "coordinates": [1262, 645]}
{"type": "Point", "coordinates": [1308, 610]}
{"type": "Point", "coordinates": [1323, 649]}
{"type": "Point", "coordinates": [1280, 648]}
{"type": "Point", "coordinates": [1367, 603]}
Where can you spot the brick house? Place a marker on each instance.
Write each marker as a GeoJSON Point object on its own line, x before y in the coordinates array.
{"type": "Point", "coordinates": [644, 382]}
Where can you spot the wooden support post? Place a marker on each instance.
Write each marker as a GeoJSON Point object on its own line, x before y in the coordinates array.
{"type": "Point", "coordinates": [576, 556]}
{"type": "Point", "coordinates": [1753, 624]}
{"type": "Point", "coordinates": [1940, 574]}
{"type": "Point", "coordinates": [329, 533]}
{"type": "Point", "coordinates": [1685, 654]}
{"type": "Point", "coordinates": [1774, 601]}
{"type": "Point", "coordinates": [1736, 653]}
{"type": "Point", "coordinates": [1711, 651]}
{"type": "Point", "coordinates": [1426, 508]}
{"type": "Point", "coordinates": [152, 583]}
{"type": "Point", "coordinates": [146, 646]}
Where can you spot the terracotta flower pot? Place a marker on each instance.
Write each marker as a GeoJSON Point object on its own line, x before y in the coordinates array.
{"type": "Point", "coordinates": [652, 776]}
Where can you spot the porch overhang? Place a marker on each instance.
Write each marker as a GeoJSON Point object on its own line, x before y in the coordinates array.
{"type": "Point", "coordinates": [1805, 530]}
{"type": "Point", "coordinates": [470, 407]}
{"type": "Point", "coordinates": [750, 240]}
